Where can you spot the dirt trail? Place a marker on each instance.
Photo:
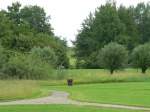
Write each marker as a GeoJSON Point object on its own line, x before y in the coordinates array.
{"type": "Point", "coordinates": [62, 98]}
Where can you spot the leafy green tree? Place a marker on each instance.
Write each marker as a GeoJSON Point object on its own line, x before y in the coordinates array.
{"type": "Point", "coordinates": [131, 37]}
{"type": "Point", "coordinates": [29, 49]}
{"type": "Point", "coordinates": [61, 54]}
{"type": "Point", "coordinates": [37, 19]}
{"type": "Point", "coordinates": [14, 12]}
{"type": "Point", "coordinates": [142, 19]}
{"type": "Point", "coordinates": [21, 43]}
{"type": "Point", "coordinates": [141, 57]}
{"type": "Point", "coordinates": [5, 25]}
{"type": "Point", "coordinates": [34, 16]}
{"type": "Point", "coordinates": [98, 30]}
{"type": "Point", "coordinates": [113, 57]}
{"type": "Point", "coordinates": [59, 46]}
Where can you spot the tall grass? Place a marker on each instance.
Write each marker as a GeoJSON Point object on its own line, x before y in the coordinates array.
{"type": "Point", "coordinates": [103, 76]}
{"type": "Point", "coordinates": [11, 90]}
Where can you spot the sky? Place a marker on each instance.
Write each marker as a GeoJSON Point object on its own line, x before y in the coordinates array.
{"type": "Point", "coordinates": [67, 15]}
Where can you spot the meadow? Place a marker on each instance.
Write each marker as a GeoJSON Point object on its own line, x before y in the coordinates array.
{"type": "Point", "coordinates": [82, 76]}
{"type": "Point", "coordinates": [21, 89]}
{"type": "Point", "coordinates": [127, 87]}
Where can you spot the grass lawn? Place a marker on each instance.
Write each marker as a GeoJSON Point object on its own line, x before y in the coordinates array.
{"type": "Point", "coordinates": [137, 94]}
{"type": "Point", "coordinates": [129, 93]}
{"type": "Point", "coordinates": [58, 108]}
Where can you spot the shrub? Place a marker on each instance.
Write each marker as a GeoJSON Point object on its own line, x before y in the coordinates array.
{"type": "Point", "coordinates": [113, 56]}
{"type": "Point", "coordinates": [141, 57]}
{"type": "Point", "coordinates": [46, 54]}
{"type": "Point", "coordinates": [3, 56]}
{"type": "Point", "coordinates": [26, 67]}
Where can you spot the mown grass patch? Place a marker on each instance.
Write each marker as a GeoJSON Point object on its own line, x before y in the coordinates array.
{"type": "Point", "coordinates": [59, 108]}
{"type": "Point", "coordinates": [136, 94]}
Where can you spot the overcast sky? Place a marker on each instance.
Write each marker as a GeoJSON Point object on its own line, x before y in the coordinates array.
{"type": "Point", "coordinates": [67, 15]}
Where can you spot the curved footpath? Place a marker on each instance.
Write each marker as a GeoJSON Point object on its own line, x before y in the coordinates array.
{"type": "Point", "coordinates": [62, 98]}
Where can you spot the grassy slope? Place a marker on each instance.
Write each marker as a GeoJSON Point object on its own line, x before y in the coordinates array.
{"type": "Point", "coordinates": [58, 108]}
{"type": "Point", "coordinates": [137, 94]}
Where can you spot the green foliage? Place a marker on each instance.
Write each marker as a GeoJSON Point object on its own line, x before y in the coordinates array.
{"type": "Point", "coordinates": [29, 50]}
{"type": "Point", "coordinates": [25, 67]}
{"type": "Point", "coordinates": [141, 57]}
{"type": "Point", "coordinates": [35, 16]}
{"type": "Point", "coordinates": [5, 25]}
{"type": "Point", "coordinates": [4, 56]}
{"type": "Point", "coordinates": [46, 54]}
{"type": "Point", "coordinates": [113, 56]}
{"type": "Point", "coordinates": [126, 26]}
{"type": "Point", "coordinates": [22, 43]}
{"type": "Point", "coordinates": [63, 60]}
{"type": "Point", "coordinates": [142, 19]}
{"type": "Point", "coordinates": [56, 44]}
{"type": "Point", "coordinates": [98, 30]}
{"type": "Point", "coordinates": [14, 12]}
{"type": "Point", "coordinates": [131, 36]}
{"type": "Point", "coordinates": [37, 19]}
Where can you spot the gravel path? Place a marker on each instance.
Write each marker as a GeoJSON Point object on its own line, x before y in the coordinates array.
{"type": "Point", "coordinates": [62, 98]}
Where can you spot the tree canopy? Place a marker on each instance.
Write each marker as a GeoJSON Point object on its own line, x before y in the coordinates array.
{"type": "Point", "coordinates": [113, 57]}
{"type": "Point", "coordinates": [128, 26]}
{"type": "Point", "coordinates": [25, 31]}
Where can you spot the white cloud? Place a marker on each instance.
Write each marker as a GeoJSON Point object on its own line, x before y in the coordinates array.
{"type": "Point", "coordinates": [67, 15]}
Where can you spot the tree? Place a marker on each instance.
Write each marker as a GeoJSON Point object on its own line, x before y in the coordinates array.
{"type": "Point", "coordinates": [5, 25]}
{"type": "Point", "coordinates": [141, 57]}
{"type": "Point", "coordinates": [29, 47]}
{"type": "Point", "coordinates": [37, 19]}
{"type": "Point", "coordinates": [113, 57]}
{"type": "Point", "coordinates": [142, 19]}
{"type": "Point", "coordinates": [14, 12]}
{"type": "Point", "coordinates": [58, 45]}
{"type": "Point", "coordinates": [97, 30]}
{"type": "Point", "coordinates": [131, 37]}
{"type": "Point", "coordinates": [34, 16]}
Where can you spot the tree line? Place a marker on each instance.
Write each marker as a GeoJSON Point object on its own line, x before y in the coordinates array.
{"type": "Point", "coordinates": [28, 46]}
{"type": "Point", "coordinates": [113, 37]}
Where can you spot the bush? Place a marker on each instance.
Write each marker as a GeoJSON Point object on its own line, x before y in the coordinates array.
{"type": "Point", "coordinates": [4, 56]}
{"type": "Point", "coordinates": [26, 67]}
{"type": "Point", "coordinates": [113, 56]}
{"type": "Point", "coordinates": [46, 54]}
{"type": "Point", "coordinates": [141, 57]}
